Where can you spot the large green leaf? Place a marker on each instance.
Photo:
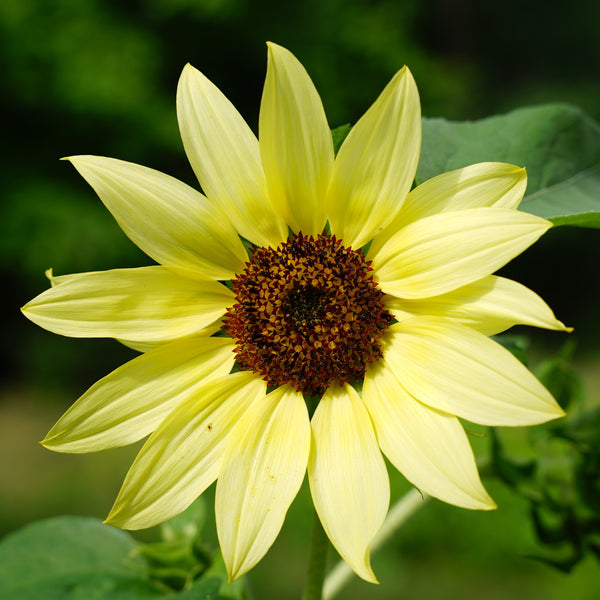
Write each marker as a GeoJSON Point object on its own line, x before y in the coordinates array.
{"type": "Point", "coordinates": [76, 558]}
{"type": "Point", "coordinates": [558, 144]}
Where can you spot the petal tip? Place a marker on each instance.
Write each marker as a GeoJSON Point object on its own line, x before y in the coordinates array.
{"type": "Point", "coordinates": [114, 521]}
{"type": "Point", "coordinates": [75, 160]}
{"type": "Point", "coordinates": [56, 442]}
{"type": "Point", "coordinates": [475, 499]}
{"type": "Point", "coordinates": [115, 518]}
{"type": "Point", "coordinates": [552, 411]}
{"type": "Point", "coordinates": [486, 502]}
{"type": "Point", "coordinates": [365, 571]}
{"type": "Point", "coordinates": [188, 71]}
{"type": "Point", "coordinates": [235, 568]}
{"type": "Point", "coordinates": [273, 47]}
{"type": "Point", "coordinates": [402, 74]}
{"type": "Point", "coordinates": [277, 53]}
{"type": "Point", "coordinates": [233, 575]}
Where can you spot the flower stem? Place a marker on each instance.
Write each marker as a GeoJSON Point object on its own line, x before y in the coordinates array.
{"type": "Point", "coordinates": [317, 562]}
{"type": "Point", "coordinates": [397, 516]}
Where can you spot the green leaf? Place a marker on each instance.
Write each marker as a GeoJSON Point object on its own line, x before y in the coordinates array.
{"type": "Point", "coordinates": [575, 201]}
{"type": "Point", "coordinates": [77, 558]}
{"type": "Point", "coordinates": [558, 144]}
{"type": "Point", "coordinates": [72, 558]}
{"type": "Point", "coordinates": [206, 589]}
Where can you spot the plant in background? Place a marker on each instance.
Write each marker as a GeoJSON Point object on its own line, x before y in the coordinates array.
{"type": "Point", "coordinates": [309, 313]}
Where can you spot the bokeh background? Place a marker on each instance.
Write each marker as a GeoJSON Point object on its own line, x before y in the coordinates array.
{"type": "Point", "coordinates": [99, 77]}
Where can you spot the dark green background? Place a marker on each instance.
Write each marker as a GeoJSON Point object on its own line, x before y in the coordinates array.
{"type": "Point", "coordinates": [99, 77]}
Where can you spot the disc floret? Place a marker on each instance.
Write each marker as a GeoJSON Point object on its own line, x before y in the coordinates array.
{"type": "Point", "coordinates": [307, 313]}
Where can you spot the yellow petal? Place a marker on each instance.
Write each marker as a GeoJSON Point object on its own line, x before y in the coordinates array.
{"type": "Point", "coordinates": [348, 478]}
{"type": "Point", "coordinates": [427, 446]}
{"type": "Point", "coordinates": [443, 252]}
{"type": "Point", "coordinates": [457, 370]}
{"type": "Point", "coordinates": [144, 346]}
{"type": "Point", "coordinates": [54, 279]}
{"type": "Point", "coordinates": [489, 305]}
{"type": "Point", "coordinates": [296, 147]}
{"type": "Point", "coordinates": [183, 456]}
{"type": "Point", "coordinates": [263, 468]}
{"type": "Point", "coordinates": [224, 154]}
{"type": "Point", "coordinates": [144, 304]}
{"type": "Point", "coordinates": [170, 221]}
{"type": "Point", "coordinates": [133, 400]}
{"type": "Point", "coordinates": [147, 346]}
{"type": "Point", "coordinates": [376, 164]}
{"type": "Point", "coordinates": [476, 186]}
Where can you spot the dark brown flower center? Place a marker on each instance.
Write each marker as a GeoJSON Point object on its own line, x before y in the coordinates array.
{"type": "Point", "coordinates": [307, 313]}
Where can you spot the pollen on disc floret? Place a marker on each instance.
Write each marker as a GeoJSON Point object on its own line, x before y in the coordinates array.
{"type": "Point", "coordinates": [307, 313]}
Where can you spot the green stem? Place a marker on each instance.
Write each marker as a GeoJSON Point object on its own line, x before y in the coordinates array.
{"type": "Point", "coordinates": [397, 516]}
{"type": "Point", "coordinates": [317, 562]}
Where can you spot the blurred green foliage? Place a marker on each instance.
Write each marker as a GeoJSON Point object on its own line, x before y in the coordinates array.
{"type": "Point", "coordinates": [560, 478]}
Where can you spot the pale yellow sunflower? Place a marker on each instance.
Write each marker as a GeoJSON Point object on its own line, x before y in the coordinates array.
{"type": "Point", "coordinates": [331, 351]}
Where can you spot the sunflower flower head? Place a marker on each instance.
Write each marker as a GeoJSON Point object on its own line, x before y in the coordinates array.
{"type": "Point", "coordinates": [356, 326]}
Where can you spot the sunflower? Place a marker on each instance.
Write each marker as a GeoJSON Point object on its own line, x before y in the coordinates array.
{"type": "Point", "coordinates": [310, 312]}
